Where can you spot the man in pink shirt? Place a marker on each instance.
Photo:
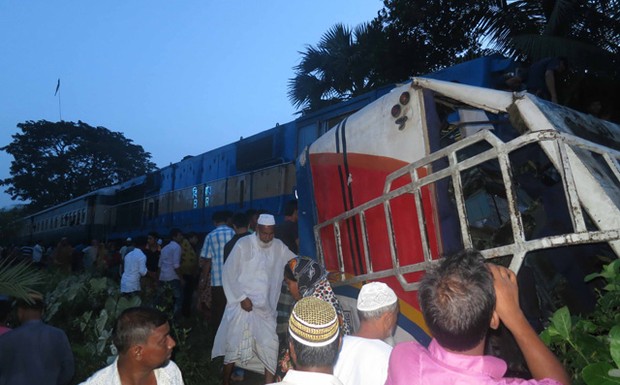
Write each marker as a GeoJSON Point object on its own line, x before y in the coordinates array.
{"type": "Point", "coordinates": [461, 298]}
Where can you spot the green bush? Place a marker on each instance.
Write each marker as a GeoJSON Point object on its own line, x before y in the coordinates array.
{"type": "Point", "coordinates": [589, 346]}
{"type": "Point", "coordinates": [86, 307]}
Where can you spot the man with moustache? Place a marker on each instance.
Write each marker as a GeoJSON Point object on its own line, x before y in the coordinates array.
{"type": "Point", "coordinates": [142, 337]}
{"type": "Point", "coordinates": [252, 277]}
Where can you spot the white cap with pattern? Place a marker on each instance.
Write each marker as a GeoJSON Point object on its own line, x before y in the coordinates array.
{"type": "Point", "coordinates": [375, 295]}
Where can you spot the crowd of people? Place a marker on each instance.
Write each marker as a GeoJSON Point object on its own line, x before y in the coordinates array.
{"type": "Point", "coordinates": [274, 312]}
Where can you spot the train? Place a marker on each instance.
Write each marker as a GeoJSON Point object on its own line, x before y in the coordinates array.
{"type": "Point", "coordinates": [390, 181]}
{"type": "Point", "coordinates": [255, 172]}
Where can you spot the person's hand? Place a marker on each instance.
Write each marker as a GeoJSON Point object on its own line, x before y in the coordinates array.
{"type": "Point", "coordinates": [506, 295]}
{"type": "Point", "coordinates": [246, 304]}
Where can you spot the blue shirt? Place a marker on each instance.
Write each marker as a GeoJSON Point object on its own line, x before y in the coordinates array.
{"type": "Point", "coordinates": [35, 353]}
{"type": "Point", "coordinates": [213, 249]}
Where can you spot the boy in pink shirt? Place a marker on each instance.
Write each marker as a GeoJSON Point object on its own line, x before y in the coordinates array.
{"type": "Point", "coordinates": [461, 298]}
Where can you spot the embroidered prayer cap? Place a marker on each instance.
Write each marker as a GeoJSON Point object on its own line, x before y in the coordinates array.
{"type": "Point", "coordinates": [313, 322]}
{"type": "Point", "coordinates": [266, 220]}
{"type": "Point", "coordinates": [375, 295]}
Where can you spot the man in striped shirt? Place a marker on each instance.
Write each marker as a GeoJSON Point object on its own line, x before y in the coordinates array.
{"type": "Point", "coordinates": [212, 261]}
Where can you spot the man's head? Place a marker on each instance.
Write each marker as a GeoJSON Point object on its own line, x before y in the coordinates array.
{"type": "Point", "coordinates": [252, 218]}
{"type": "Point", "coordinates": [265, 229]}
{"type": "Point", "coordinates": [314, 334]}
{"type": "Point", "coordinates": [143, 335]}
{"type": "Point", "coordinates": [219, 218]}
{"type": "Point", "coordinates": [240, 222]}
{"type": "Point", "coordinates": [290, 210]}
{"type": "Point", "coordinates": [457, 299]}
{"type": "Point", "coordinates": [176, 235]}
{"type": "Point", "coordinates": [151, 238]}
{"type": "Point", "coordinates": [192, 238]}
{"type": "Point", "coordinates": [377, 304]}
{"type": "Point", "coordinates": [32, 309]}
{"type": "Point", "coordinates": [562, 64]}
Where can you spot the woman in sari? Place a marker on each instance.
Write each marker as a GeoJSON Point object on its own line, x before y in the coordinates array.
{"type": "Point", "coordinates": [305, 277]}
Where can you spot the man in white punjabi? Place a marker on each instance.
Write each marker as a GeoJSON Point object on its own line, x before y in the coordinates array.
{"type": "Point", "coordinates": [314, 342]}
{"type": "Point", "coordinates": [251, 278]}
{"type": "Point", "coordinates": [365, 356]}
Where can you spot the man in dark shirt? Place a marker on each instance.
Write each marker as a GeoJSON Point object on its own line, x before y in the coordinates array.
{"type": "Point", "coordinates": [543, 75]}
{"type": "Point", "coordinates": [240, 222]}
{"type": "Point", "coordinates": [287, 231]}
{"type": "Point", "coordinates": [35, 353]}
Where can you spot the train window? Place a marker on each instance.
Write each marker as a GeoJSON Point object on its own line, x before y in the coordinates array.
{"type": "Point", "coordinates": [150, 210]}
{"type": "Point", "coordinates": [83, 216]}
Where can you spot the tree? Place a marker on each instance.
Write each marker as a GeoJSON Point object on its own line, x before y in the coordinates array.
{"type": "Point", "coordinates": [341, 66]}
{"type": "Point", "coordinates": [407, 38]}
{"type": "Point", "coordinates": [425, 36]}
{"type": "Point", "coordinates": [55, 162]}
{"type": "Point", "coordinates": [587, 32]}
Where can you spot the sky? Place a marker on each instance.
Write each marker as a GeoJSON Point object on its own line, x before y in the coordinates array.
{"type": "Point", "coordinates": [176, 77]}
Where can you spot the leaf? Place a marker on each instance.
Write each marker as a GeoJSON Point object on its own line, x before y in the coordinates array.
{"type": "Point", "coordinates": [598, 374]}
{"type": "Point", "coordinates": [98, 284]}
{"type": "Point", "coordinates": [110, 306]}
{"type": "Point", "coordinates": [561, 322]}
{"type": "Point", "coordinates": [18, 280]}
{"type": "Point", "coordinates": [101, 322]}
{"type": "Point", "coordinates": [614, 344]}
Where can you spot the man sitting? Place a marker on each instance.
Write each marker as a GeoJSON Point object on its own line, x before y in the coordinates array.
{"type": "Point", "coordinates": [142, 337]}
{"type": "Point", "coordinates": [364, 356]}
{"type": "Point", "coordinates": [460, 299]}
{"type": "Point", "coordinates": [314, 342]}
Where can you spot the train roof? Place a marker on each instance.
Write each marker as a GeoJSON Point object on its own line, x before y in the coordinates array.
{"type": "Point", "coordinates": [104, 191]}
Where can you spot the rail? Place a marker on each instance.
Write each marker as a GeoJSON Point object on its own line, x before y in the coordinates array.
{"type": "Point", "coordinates": [565, 145]}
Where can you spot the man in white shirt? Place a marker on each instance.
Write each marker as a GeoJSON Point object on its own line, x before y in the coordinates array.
{"type": "Point", "coordinates": [37, 254]}
{"type": "Point", "coordinates": [142, 337]}
{"type": "Point", "coordinates": [365, 356]}
{"type": "Point", "coordinates": [252, 277]}
{"type": "Point", "coordinates": [169, 268]}
{"type": "Point", "coordinates": [134, 267]}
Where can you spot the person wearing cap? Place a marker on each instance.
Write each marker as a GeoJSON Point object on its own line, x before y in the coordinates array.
{"type": "Point", "coordinates": [212, 262]}
{"type": "Point", "coordinates": [304, 277]}
{"type": "Point", "coordinates": [127, 247]}
{"type": "Point", "coordinates": [35, 353]}
{"type": "Point", "coordinates": [460, 298]}
{"type": "Point", "coordinates": [364, 356]}
{"type": "Point", "coordinates": [314, 343]}
{"type": "Point", "coordinates": [142, 337]}
{"type": "Point", "coordinates": [251, 279]}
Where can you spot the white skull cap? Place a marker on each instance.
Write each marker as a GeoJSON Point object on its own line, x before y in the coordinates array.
{"type": "Point", "coordinates": [375, 295]}
{"type": "Point", "coordinates": [266, 220]}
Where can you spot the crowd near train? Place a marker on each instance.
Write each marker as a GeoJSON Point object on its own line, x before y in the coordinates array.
{"type": "Point", "coordinates": [389, 181]}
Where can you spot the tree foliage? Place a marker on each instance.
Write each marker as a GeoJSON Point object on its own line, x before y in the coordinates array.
{"type": "Point", "coordinates": [406, 38]}
{"type": "Point", "coordinates": [55, 162]}
{"type": "Point", "coordinates": [585, 31]}
{"type": "Point", "coordinates": [425, 36]}
{"type": "Point", "coordinates": [340, 66]}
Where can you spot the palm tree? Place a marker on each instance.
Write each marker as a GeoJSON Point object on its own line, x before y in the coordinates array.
{"type": "Point", "coordinates": [18, 280]}
{"type": "Point", "coordinates": [338, 68]}
{"type": "Point", "coordinates": [587, 32]}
